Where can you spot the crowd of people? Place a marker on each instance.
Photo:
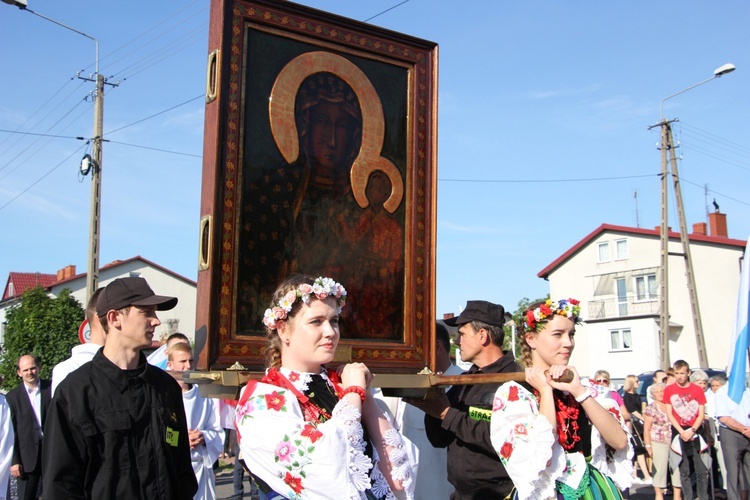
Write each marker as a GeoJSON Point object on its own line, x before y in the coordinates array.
{"type": "Point", "coordinates": [112, 425]}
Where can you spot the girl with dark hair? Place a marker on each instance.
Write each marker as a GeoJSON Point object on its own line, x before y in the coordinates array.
{"type": "Point", "coordinates": [558, 439]}
{"type": "Point", "coordinates": [306, 432]}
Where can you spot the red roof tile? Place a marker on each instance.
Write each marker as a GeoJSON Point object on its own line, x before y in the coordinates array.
{"type": "Point", "coordinates": [20, 282]}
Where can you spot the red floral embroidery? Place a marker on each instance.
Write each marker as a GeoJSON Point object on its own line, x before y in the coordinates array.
{"type": "Point", "coordinates": [275, 401]}
{"type": "Point", "coordinates": [506, 450]}
{"type": "Point", "coordinates": [520, 429]}
{"type": "Point", "coordinates": [513, 393]}
{"type": "Point", "coordinates": [294, 483]}
{"type": "Point", "coordinates": [293, 377]}
{"type": "Point", "coordinates": [312, 433]}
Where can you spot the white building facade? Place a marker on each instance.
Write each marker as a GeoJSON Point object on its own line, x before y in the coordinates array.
{"type": "Point", "coordinates": [615, 273]}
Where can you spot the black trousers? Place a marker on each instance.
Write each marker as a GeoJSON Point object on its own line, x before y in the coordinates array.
{"type": "Point", "coordinates": [29, 483]}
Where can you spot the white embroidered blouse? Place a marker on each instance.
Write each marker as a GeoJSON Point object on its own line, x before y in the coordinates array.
{"type": "Point", "coordinates": [526, 444]}
{"type": "Point", "coordinates": [305, 460]}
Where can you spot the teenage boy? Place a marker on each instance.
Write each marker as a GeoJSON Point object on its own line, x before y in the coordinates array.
{"type": "Point", "coordinates": [686, 405]}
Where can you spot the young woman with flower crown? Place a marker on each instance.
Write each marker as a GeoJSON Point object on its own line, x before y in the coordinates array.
{"type": "Point", "coordinates": [558, 439]}
{"type": "Point", "coordinates": [306, 432]}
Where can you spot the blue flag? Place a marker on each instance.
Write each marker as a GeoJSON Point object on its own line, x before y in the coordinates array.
{"type": "Point", "coordinates": [740, 343]}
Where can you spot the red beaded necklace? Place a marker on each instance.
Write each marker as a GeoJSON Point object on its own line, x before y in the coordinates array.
{"type": "Point", "coordinates": [567, 421]}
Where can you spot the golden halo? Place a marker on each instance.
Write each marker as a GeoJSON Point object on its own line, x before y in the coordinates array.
{"type": "Point", "coordinates": [284, 126]}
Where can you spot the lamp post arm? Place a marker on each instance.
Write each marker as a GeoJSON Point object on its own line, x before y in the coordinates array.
{"type": "Point", "coordinates": [661, 107]}
{"type": "Point", "coordinates": [71, 29]}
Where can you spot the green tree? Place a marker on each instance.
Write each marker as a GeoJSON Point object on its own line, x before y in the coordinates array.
{"type": "Point", "coordinates": [518, 316]}
{"type": "Point", "coordinates": [43, 326]}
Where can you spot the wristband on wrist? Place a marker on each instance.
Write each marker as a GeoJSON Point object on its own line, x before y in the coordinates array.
{"type": "Point", "coordinates": [355, 389]}
{"type": "Point", "coordinates": [648, 446]}
{"type": "Point", "coordinates": [583, 397]}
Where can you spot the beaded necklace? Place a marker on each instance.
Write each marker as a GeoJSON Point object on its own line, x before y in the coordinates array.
{"type": "Point", "coordinates": [567, 421]}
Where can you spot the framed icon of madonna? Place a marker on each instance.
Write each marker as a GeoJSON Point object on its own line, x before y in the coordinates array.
{"type": "Point", "coordinates": [319, 159]}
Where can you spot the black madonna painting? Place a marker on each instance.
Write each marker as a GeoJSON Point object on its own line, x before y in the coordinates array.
{"type": "Point", "coordinates": [325, 167]}
{"type": "Point", "coordinates": [324, 196]}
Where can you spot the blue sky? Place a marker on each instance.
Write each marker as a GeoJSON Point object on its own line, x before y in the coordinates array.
{"type": "Point", "coordinates": [539, 101]}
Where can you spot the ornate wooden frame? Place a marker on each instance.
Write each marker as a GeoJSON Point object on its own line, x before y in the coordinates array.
{"type": "Point", "coordinates": [295, 39]}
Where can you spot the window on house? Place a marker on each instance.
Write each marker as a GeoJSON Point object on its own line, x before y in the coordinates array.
{"type": "Point", "coordinates": [604, 252]}
{"type": "Point", "coordinates": [645, 287]}
{"type": "Point", "coordinates": [621, 249]}
{"type": "Point", "coordinates": [620, 339]}
{"type": "Point", "coordinates": [622, 297]}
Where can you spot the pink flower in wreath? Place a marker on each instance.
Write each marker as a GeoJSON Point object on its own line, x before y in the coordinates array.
{"type": "Point", "coordinates": [284, 451]}
{"type": "Point", "coordinates": [275, 401]}
{"type": "Point", "coordinates": [305, 288]}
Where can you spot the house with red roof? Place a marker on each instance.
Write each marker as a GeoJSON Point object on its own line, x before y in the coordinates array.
{"type": "Point", "coordinates": [615, 272]}
{"type": "Point", "coordinates": [162, 280]}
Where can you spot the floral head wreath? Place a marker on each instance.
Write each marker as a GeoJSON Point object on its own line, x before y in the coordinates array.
{"type": "Point", "coordinates": [570, 308]}
{"type": "Point", "coordinates": [322, 288]}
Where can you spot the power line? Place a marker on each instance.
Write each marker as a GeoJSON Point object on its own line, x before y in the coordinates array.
{"type": "Point", "coordinates": [155, 114]}
{"type": "Point", "coordinates": [42, 135]}
{"type": "Point", "coordinates": [386, 10]}
{"type": "Point", "coordinates": [42, 177]}
{"type": "Point", "coordinates": [156, 149]}
{"type": "Point", "coordinates": [703, 186]}
{"type": "Point", "coordinates": [538, 181]}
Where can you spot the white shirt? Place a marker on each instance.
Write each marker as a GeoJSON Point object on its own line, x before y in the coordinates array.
{"type": "Point", "coordinates": [35, 398]}
{"type": "Point", "coordinates": [79, 355]}
{"type": "Point", "coordinates": [432, 475]}
{"type": "Point", "coordinates": [725, 407]}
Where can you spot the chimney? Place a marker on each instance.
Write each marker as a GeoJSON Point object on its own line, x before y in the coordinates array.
{"type": "Point", "coordinates": [447, 316]}
{"type": "Point", "coordinates": [700, 228]}
{"type": "Point", "coordinates": [66, 272]}
{"type": "Point", "coordinates": [717, 224]}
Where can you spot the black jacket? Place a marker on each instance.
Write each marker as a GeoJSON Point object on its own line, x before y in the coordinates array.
{"type": "Point", "coordinates": [474, 468]}
{"type": "Point", "coordinates": [25, 426]}
{"type": "Point", "coordinates": [114, 433]}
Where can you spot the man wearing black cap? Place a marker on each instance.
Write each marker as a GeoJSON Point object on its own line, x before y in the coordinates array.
{"type": "Point", "coordinates": [460, 419]}
{"type": "Point", "coordinates": [116, 426]}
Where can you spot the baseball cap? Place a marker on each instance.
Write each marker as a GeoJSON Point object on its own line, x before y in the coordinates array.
{"type": "Point", "coordinates": [479, 310]}
{"type": "Point", "coordinates": [124, 292]}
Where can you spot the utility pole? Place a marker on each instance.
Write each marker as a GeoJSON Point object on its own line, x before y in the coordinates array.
{"type": "Point", "coordinates": [667, 147]}
{"type": "Point", "coordinates": [92, 274]}
{"type": "Point", "coordinates": [697, 324]}
{"type": "Point", "coordinates": [666, 138]}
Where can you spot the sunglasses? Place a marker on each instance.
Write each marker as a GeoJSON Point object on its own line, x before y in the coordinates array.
{"type": "Point", "coordinates": [602, 381]}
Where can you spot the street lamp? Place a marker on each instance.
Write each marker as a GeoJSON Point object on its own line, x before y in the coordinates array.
{"type": "Point", "coordinates": [95, 160]}
{"type": "Point", "coordinates": [667, 146]}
